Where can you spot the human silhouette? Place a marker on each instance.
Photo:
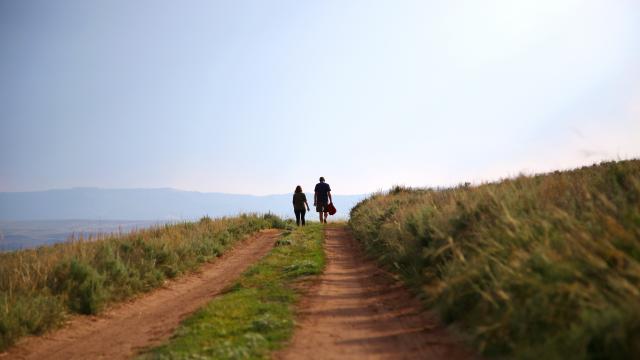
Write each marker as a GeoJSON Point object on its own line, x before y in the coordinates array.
{"type": "Point", "coordinates": [322, 198]}
{"type": "Point", "coordinates": [299, 204]}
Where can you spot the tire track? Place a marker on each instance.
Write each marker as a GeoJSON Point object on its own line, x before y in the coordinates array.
{"type": "Point", "coordinates": [358, 311]}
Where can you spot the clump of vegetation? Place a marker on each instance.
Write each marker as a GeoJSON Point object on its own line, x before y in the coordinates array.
{"type": "Point", "coordinates": [546, 266]}
{"type": "Point", "coordinates": [255, 315]}
{"type": "Point", "coordinates": [39, 286]}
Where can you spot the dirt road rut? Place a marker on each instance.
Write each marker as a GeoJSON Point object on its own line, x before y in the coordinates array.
{"type": "Point", "coordinates": [358, 311]}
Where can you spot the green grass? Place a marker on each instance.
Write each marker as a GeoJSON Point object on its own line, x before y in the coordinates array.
{"type": "Point", "coordinates": [546, 266]}
{"type": "Point", "coordinates": [255, 316]}
{"type": "Point", "coordinates": [39, 287]}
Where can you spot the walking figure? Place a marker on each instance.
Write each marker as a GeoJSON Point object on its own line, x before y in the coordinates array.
{"type": "Point", "coordinates": [299, 204]}
{"type": "Point", "coordinates": [322, 198]}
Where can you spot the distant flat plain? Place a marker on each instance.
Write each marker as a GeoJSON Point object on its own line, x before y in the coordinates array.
{"type": "Point", "coordinates": [15, 235]}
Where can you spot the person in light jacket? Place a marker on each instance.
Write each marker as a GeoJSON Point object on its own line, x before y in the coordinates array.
{"type": "Point", "coordinates": [300, 205]}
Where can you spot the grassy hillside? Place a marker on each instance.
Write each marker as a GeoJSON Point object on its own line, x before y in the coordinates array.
{"type": "Point", "coordinates": [543, 266]}
{"type": "Point", "coordinates": [38, 287]}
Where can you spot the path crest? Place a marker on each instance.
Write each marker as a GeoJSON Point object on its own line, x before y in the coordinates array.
{"type": "Point", "coordinates": [358, 311]}
{"type": "Point", "coordinates": [149, 320]}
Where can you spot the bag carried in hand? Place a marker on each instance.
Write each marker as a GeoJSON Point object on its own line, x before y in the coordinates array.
{"type": "Point", "coordinates": [331, 209]}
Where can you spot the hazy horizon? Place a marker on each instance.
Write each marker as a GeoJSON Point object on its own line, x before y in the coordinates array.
{"type": "Point", "coordinates": [148, 204]}
{"type": "Point", "coordinates": [256, 97]}
{"type": "Point", "coordinates": [307, 190]}
{"type": "Point", "coordinates": [171, 188]}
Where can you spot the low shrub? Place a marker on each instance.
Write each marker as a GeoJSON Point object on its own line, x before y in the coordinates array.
{"type": "Point", "coordinates": [28, 314]}
{"type": "Point", "coordinates": [81, 285]}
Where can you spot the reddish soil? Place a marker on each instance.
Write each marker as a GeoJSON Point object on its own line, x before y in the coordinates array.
{"type": "Point", "coordinates": [358, 311]}
{"type": "Point", "coordinates": [148, 320]}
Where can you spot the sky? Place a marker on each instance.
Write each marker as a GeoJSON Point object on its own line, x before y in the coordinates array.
{"type": "Point", "coordinates": [256, 97]}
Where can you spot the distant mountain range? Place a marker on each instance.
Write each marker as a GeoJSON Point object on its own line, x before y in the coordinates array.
{"type": "Point", "coordinates": [147, 204]}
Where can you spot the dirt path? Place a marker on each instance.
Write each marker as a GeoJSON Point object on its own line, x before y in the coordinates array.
{"type": "Point", "coordinates": [358, 311]}
{"type": "Point", "coordinates": [148, 320]}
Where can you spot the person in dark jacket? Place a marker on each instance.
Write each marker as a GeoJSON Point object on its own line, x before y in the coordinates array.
{"type": "Point", "coordinates": [322, 198]}
{"type": "Point", "coordinates": [299, 204]}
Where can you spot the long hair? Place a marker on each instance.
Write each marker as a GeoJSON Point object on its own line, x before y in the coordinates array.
{"type": "Point", "coordinates": [298, 189]}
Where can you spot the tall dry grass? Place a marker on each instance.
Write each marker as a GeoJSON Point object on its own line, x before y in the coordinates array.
{"type": "Point", "coordinates": [39, 286]}
{"type": "Point", "coordinates": [542, 266]}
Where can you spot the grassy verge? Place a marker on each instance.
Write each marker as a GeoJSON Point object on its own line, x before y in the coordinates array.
{"type": "Point", "coordinates": [39, 287]}
{"type": "Point", "coordinates": [255, 316]}
{"type": "Point", "coordinates": [534, 267]}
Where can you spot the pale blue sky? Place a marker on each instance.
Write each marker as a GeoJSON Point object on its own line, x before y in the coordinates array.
{"type": "Point", "coordinates": [256, 97]}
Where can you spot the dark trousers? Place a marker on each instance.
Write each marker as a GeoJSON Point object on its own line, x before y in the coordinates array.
{"type": "Point", "coordinates": [300, 216]}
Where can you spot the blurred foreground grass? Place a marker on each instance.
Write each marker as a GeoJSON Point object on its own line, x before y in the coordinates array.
{"type": "Point", "coordinates": [38, 287]}
{"type": "Point", "coordinates": [546, 266]}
